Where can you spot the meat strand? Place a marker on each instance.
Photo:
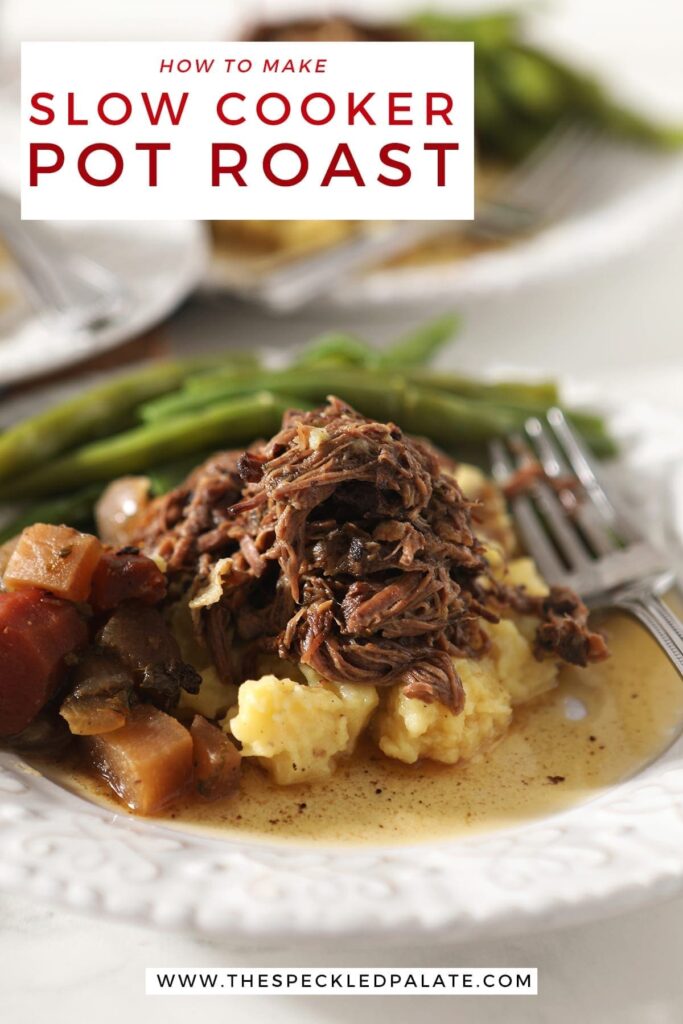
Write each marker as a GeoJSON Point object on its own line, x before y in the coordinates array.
{"type": "Point", "coordinates": [352, 552]}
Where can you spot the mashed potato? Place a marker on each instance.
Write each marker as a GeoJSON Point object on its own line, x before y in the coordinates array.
{"type": "Point", "coordinates": [409, 729]}
{"type": "Point", "coordinates": [214, 697]}
{"type": "Point", "coordinates": [522, 572]}
{"type": "Point", "coordinates": [283, 237]}
{"type": "Point", "coordinates": [299, 726]}
{"type": "Point", "coordinates": [518, 671]}
{"type": "Point", "coordinates": [296, 730]}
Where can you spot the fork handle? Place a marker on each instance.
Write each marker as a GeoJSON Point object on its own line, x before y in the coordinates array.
{"type": "Point", "coordinates": [664, 626]}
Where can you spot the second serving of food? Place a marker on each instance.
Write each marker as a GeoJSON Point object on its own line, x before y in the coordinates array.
{"type": "Point", "coordinates": [523, 91]}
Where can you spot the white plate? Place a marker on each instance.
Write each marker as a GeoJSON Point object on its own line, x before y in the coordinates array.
{"type": "Point", "coordinates": [616, 221]}
{"type": "Point", "coordinates": [158, 264]}
{"type": "Point", "coordinates": [614, 853]}
{"type": "Point", "coordinates": [623, 210]}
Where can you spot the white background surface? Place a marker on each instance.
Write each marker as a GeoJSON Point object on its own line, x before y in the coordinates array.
{"type": "Point", "coordinates": [624, 322]}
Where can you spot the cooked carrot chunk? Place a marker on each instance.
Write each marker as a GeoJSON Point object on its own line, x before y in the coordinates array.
{"type": "Point", "coordinates": [148, 761]}
{"type": "Point", "coordinates": [54, 558]}
{"type": "Point", "coordinates": [36, 633]}
{"type": "Point", "coordinates": [126, 576]}
{"type": "Point", "coordinates": [216, 760]}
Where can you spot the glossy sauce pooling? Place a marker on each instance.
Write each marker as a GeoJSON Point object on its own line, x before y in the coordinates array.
{"type": "Point", "coordinates": [601, 725]}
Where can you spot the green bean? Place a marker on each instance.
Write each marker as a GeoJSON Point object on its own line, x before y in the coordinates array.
{"type": "Point", "coordinates": [600, 441]}
{"type": "Point", "coordinates": [489, 110]}
{"type": "Point", "coordinates": [388, 396]}
{"type": "Point", "coordinates": [512, 136]}
{"type": "Point", "coordinates": [533, 86]}
{"type": "Point", "coordinates": [542, 392]}
{"type": "Point", "coordinates": [524, 400]}
{"type": "Point", "coordinates": [586, 422]}
{"type": "Point", "coordinates": [631, 125]}
{"type": "Point", "coordinates": [449, 420]}
{"type": "Point", "coordinates": [95, 412]}
{"type": "Point", "coordinates": [446, 418]}
{"type": "Point", "coordinates": [536, 402]}
{"type": "Point", "coordinates": [136, 450]}
{"type": "Point", "coordinates": [337, 348]}
{"type": "Point", "coordinates": [507, 403]}
{"type": "Point", "coordinates": [587, 98]}
{"type": "Point", "coordinates": [522, 91]}
{"type": "Point", "coordinates": [71, 510]}
{"type": "Point", "coordinates": [316, 384]}
{"type": "Point", "coordinates": [512, 417]}
{"type": "Point", "coordinates": [100, 411]}
{"type": "Point", "coordinates": [421, 345]}
{"type": "Point", "coordinates": [78, 508]}
{"type": "Point", "coordinates": [590, 425]}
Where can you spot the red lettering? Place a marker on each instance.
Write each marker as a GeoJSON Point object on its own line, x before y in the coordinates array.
{"type": "Point", "coordinates": [318, 96]}
{"type": "Point", "coordinates": [42, 108]}
{"type": "Point", "coordinates": [218, 168]}
{"type": "Point", "coordinates": [122, 118]}
{"type": "Point", "coordinates": [396, 108]}
{"type": "Point", "coordinates": [71, 111]}
{"type": "Point", "coordinates": [385, 155]}
{"type": "Point", "coordinates": [36, 168]}
{"type": "Point", "coordinates": [434, 111]}
{"type": "Point", "coordinates": [260, 105]}
{"type": "Point", "coordinates": [165, 104]}
{"type": "Point", "coordinates": [352, 170]}
{"type": "Point", "coordinates": [152, 148]}
{"type": "Point", "coordinates": [282, 147]}
{"type": "Point", "coordinates": [220, 108]}
{"type": "Point", "coordinates": [102, 147]}
{"type": "Point", "coordinates": [356, 108]}
{"type": "Point", "coordinates": [440, 148]}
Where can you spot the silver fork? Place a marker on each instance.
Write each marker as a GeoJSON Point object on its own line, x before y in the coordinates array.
{"type": "Point", "coordinates": [563, 165]}
{"type": "Point", "coordinates": [583, 537]}
{"type": "Point", "coordinates": [540, 188]}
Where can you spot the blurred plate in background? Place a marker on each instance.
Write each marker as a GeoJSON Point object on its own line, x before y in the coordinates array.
{"type": "Point", "coordinates": [612, 223]}
{"type": "Point", "coordinates": [630, 194]}
{"type": "Point", "coordinates": [158, 265]}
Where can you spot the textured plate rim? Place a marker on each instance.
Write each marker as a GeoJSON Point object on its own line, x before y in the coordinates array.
{"type": "Point", "coordinates": [618, 851]}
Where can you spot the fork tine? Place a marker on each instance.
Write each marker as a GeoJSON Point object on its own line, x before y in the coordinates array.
{"type": "Point", "coordinates": [536, 181]}
{"type": "Point", "coordinates": [538, 188]}
{"type": "Point", "coordinates": [548, 154]}
{"type": "Point", "coordinates": [584, 513]}
{"type": "Point", "coordinates": [582, 465]}
{"type": "Point", "coordinates": [530, 528]}
{"type": "Point", "coordinates": [562, 532]}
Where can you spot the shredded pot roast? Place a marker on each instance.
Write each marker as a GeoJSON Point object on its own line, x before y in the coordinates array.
{"type": "Point", "coordinates": [343, 545]}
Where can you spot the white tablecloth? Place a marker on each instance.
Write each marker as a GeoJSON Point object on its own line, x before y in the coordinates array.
{"type": "Point", "coordinates": [58, 968]}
